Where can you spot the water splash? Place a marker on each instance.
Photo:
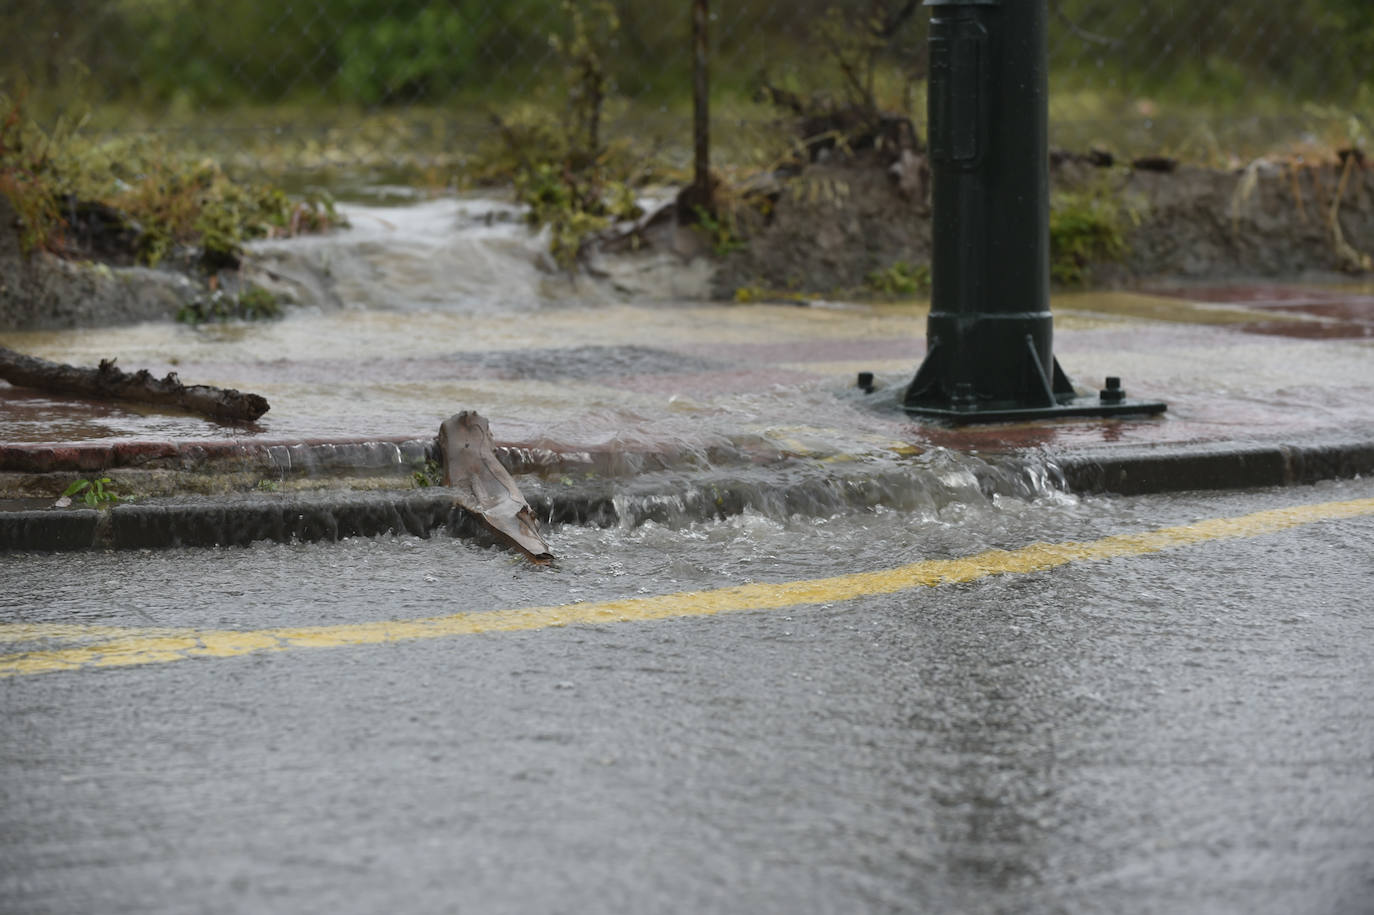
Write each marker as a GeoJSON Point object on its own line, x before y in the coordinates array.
{"type": "Point", "coordinates": [927, 486]}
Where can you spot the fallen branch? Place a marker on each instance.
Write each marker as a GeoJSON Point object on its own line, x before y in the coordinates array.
{"type": "Point", "coordinates": [110, 383]}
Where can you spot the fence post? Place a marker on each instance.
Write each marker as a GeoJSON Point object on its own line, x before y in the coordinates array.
{"type": "Point", "coordinates": [989, 354]}
{"type": "Point", "coordinates": [701, 112]}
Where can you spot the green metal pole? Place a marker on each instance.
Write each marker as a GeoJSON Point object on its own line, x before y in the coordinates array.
{"type": "Point", "coordinates": [990, 335]}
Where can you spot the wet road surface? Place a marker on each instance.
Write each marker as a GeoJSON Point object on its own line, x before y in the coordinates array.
{"type": "Point", "coordinates": [1188, 729]}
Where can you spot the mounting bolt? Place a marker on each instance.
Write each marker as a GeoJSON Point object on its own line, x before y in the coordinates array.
{"type": "Point", "coordinates": [1113, 392]}
{"type": "Point", "coordinates": [963, 397]}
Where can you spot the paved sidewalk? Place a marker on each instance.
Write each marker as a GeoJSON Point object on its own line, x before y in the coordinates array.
{"type": "Point", "coordinates": [1265, 385]}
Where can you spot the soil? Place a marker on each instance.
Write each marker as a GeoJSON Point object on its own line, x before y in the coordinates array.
{"type": "Point", "coordinates": [835, 222]}
{"type": "Point", "coordinates": [95, 287]}
{"type": "Point", "coordinates": [827, 226]}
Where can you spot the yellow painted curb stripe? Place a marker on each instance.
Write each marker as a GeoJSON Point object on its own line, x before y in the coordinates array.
{"type": "Point", "coordinates": [128, 646]}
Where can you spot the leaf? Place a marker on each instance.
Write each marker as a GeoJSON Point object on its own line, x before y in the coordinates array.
{"type": "Point", "coordinates": [76, 487]}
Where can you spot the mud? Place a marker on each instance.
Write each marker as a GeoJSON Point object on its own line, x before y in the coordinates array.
{"type": "Point", "coordinates": [41, 290]}
{"type": "Point", "coordinates": [827, 228]}
{"type": "Point", "coordinates": [820, 231]}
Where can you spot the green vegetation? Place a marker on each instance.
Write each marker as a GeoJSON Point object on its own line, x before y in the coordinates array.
{"type": "Point", "coordinates": [720, 230]}
{"type": "Point", "coordinates": [189, 62]}
{"type": "Point", "coordinates": [899, 279]}
{"type": "Point", "coordinates": [1312, 49]}
{"type": "Point", "coordinates": [252, 304]}
{"type": "Point", "coordinates": [26, 178]}
{"type": "Point", "coordinates": [579, 103]}
{"type": "Point", "coordinates": [186, 54]}
{"type": "Point", "coordinates": [563, 172]}
{"type": "Point", "coordinates": [95, 493]}
{"type": "Point", "coordinates": [145, 200]}
{"type": "Point", "coordinates": [1085, 227]}
{"type": "Point", "coordinates": [429, 475]}
{"type": "Point", "coordinates": [747, 295]}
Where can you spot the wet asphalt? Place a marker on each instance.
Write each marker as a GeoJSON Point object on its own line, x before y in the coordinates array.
{"type": "Point", "coordinates": [1183, 731]}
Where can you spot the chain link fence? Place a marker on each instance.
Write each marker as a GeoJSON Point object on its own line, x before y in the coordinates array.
{"type": "Point", "coordinates": [421, 87]}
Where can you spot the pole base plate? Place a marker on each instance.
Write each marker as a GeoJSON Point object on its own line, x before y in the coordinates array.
{"type": "Point", "coordinates": [1078, 407]}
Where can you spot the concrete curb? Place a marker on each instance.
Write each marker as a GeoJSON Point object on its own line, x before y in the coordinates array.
{"type": "Point", "coordinates": [344, 457]}
{"type": "Point", "coordinates": [1146, 471]}
{"type": "Point", "coordinates": [243, 519]}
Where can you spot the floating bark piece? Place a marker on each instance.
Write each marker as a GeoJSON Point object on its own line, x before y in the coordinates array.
{"type": "Point", "coordinates": [110, 383]}
{"type": "Point", "coordinates": [484, 487]}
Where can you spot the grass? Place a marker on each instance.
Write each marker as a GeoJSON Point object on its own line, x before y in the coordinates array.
{"type": "Point", "coordinates": [1086, 227]}
{"type": "Point", "coordinates": [214, 180]}
{"type": "Point", "coordinates": [251, 304]}
{"type": "Point", "coordinates": [455, 146]}
{"type": "Point", "coordinates": [899, 279]}
{"type": "Point", "coordinates": [1220, 131]}
{"type": "Point", "coordinates": [164, 197]}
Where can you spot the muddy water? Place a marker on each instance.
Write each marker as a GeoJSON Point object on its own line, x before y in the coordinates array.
{"type": "Point", "coordinates": [421, 310]}
{"type": "Point", "coordinates": [418, 311]}
{"type": "Point", "coordinates": [1186, 731]}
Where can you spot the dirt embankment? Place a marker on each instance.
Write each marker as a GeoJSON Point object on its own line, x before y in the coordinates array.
{"type": "Point", "coordinates": [827, 228]}
{"type": "Point", "coordinates": [832, 225]}
{"type": "Point", "coordinates": [40, 290]}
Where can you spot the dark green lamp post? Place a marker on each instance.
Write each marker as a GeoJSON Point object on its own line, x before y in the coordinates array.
{"type": "Point", "coordinates": [990, 336]}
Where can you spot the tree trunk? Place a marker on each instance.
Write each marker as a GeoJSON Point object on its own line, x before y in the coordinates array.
{"type": "Point", "coordinates": [110, 383]}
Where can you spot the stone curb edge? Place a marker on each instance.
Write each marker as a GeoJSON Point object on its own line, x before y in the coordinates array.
{"type": "Point", "coordinates": [331, 516]}
{"type": "Point", "coordinates": [1146, 471]}
{"type": "Point", "coordinates": [285, 458]}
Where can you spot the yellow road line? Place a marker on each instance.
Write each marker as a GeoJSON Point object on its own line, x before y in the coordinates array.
{"type": "Point", "coordinates": [129, 646]}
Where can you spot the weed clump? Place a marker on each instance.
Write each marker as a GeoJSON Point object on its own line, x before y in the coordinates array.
{"type": "Point", "coordinates": [96, 493]}
{"type": "Point", "coordinates": [1085, 227]}
{"type": "Point", "coordinates": [252, 304]}
{"type": "Point", "coordinates": [131, 201]}
{"type": "Point", "coordinates": [431, 474]}
{"type": "Point", "coordinates": [899, 279]}
{"type": "Point", "coordinates": [561, 170]}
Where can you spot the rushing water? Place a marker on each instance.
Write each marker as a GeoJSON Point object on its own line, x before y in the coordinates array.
{"type": "Point", "coordinates": [418, 311]}
{"type": "Point", "coordinates": [661, 410]}
{"type": "Point", "coordinates": [1184, 731]}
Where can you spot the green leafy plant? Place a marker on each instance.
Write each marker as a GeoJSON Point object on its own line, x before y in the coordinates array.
{"type": "Point", "coordinates": [720, 229]}
{"type": "Point", "coordinates": [399, 57]}
{"type": "Point", "coordinates": [900, 278]}
{"type": "Point", "coordinates": [570, 181]}
{"type": "Point", "coordinates": [1085, 227]}
{"type": "Point", "coordinates": [152, 201]}
{"type": "Point", "coordinates": [252, 304]}
{"type": "Point", "coordinates": [95, 493]}
{"type": "Point", "coordinates": [574, 204]}
{"type": "Point", "coordinates": [198, 205]}
{"type": "Point", "coordinates": [856, 42]}
{"type": "Point", "coordinates": [28, 177]}
{"type": "Point", "coordinates": [429, 475]}
{"type": "Point", "coordinates": [592, 29]}
{"type": "Point", "coordinates": [748, 295]}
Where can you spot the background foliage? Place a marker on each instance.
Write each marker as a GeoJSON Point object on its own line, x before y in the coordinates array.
{"type": "Point", "coordinates": [1144, 74]}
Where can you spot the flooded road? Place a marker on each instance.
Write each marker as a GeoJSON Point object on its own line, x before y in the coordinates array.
{"type": "Point", "coordinates": [1185, 726]}
{"type": "Point", "coordinates": [419, 311]}
{"type": "Point", "coordinates": [820, 659]}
